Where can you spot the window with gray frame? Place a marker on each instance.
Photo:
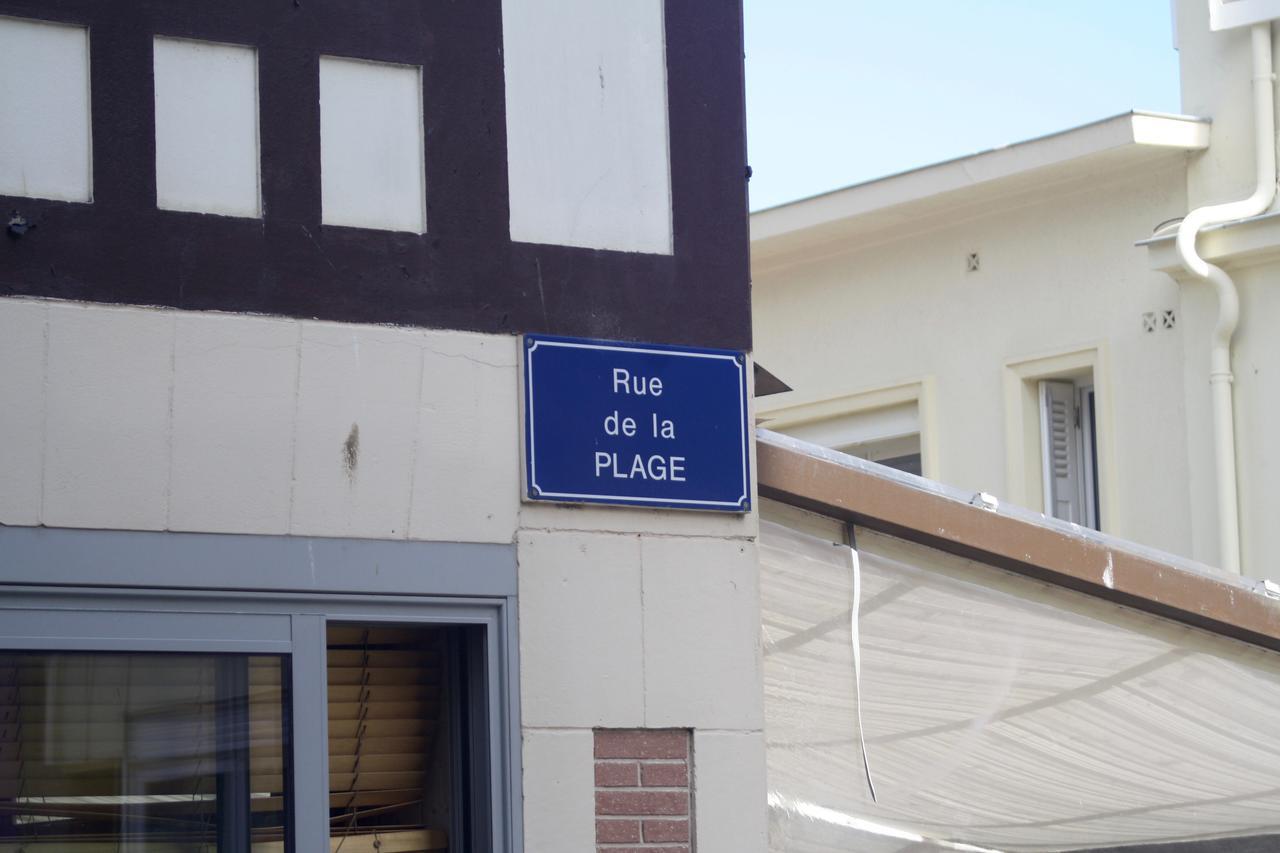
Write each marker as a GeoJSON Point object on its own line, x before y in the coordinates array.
{"type": "Point", "coordinates": [194, 721]}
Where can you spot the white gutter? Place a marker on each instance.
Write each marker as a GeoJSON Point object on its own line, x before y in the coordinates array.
{"type": "Point", "coordinates": [1220, 377]}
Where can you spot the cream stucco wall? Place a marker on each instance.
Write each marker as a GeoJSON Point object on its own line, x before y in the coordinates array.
{"type": "Point", "coordinates": [1061, 283]}
{"type": "Point", "coordinates": [148, 419]}
{"type": "Point", "coordinates": [1255, 361]}
{"type": "Point", "coordinates": [1059, 277]}
{"type": "Point", "coordinates": [1216, 71]}
{"type": "Point", "coordinates": [1216, 83]}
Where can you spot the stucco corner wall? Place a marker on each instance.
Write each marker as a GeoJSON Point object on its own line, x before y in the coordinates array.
{"type": "Point", "coordinates": [641, 619]}
{"type": "Point", "coordinates": [153, 419]}
{"type": "Point", "coordinates": [642, 630]}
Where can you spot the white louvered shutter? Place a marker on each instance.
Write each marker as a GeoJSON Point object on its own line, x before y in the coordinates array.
{"type": "Point", "coordinates": [1060, 452]}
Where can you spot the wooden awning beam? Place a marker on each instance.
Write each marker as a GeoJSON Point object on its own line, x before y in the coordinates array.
{"type": "Point", "coordinates": [1086, 562]}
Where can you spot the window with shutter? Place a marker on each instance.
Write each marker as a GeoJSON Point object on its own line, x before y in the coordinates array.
{"type": "Point", "coordinates": [889, 435]}
{"type": "Point", "coordinates": [1068, 456]}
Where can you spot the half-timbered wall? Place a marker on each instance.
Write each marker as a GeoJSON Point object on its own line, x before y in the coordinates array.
{"type": "Point", "coordinates": [266, 263]}
{"type": "Point", "coordinates": [575, 168]}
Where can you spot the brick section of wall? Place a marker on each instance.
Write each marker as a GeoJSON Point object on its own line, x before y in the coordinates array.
{"type": "Point", "coordinates": [643, 803]}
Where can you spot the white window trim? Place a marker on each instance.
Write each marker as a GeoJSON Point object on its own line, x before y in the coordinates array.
{"type": "Point", "coordinates": [1024, 478]}
{"type": "Point", "coordinates": [790, 409]}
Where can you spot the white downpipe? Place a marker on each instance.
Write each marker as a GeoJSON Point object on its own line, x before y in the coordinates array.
{"type": "Point", "coordinates": [1220, 378]}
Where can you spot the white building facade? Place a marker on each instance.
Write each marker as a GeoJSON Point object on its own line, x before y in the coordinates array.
{"type": "Point", "coordinates": [950, 311]}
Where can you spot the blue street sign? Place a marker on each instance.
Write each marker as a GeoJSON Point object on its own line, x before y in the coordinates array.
{"type": "Point", "coordinates": [636, 424]}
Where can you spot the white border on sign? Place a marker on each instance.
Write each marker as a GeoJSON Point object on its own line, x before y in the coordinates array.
{"type": "Point", "coordinates": [740, 366]}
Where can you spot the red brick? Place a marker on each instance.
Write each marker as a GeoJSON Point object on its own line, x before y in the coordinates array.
{"type": "Point", "coordinates": [664, 775]}
{"type": "Point", "coordinates": [632, 743]}
{"type": "Point", "coordinates": [666, 830]}
{"type": "Point", "coordinates": [617, 832]}
{"type": "Point", "coordinates": [610, 775]}
{"type": "Point", "coordinates": [681, 848]}
{"type": "Point", "coordinates": [642, 803]}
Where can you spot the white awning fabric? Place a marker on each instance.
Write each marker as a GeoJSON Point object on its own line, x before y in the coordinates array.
{"type": "Point", "coordinates": [999, 713]}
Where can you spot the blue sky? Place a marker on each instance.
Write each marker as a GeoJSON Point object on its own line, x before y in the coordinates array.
{"type": "Point", "coordinates": [842, 91]}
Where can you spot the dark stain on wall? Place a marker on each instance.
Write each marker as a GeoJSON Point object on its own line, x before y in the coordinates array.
{"type": "Point", "coordinates": [351, 452]}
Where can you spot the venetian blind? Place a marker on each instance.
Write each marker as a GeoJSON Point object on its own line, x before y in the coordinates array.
{"type": "Point", "coordinates": [385, 705]}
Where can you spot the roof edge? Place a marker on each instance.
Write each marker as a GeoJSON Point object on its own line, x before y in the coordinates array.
{"type": "Point", "coordinates": [1138, 128]}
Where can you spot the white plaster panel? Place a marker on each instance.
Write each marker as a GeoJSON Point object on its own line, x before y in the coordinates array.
{"type": "Point", "coordinates": [701, 633]}
{"type": "Point", "coordinates": [22, 381]}
{"type": "Point", "coordinates": [235, 381]}
{"type": "Point", "coordinates": [371, 145]}
{"type": "Point", "coordinates": [466, 475]}
{"type": "Point", "coordinates": [581, 646]}
{"type": "Point", "coordinates": [730, 792]}
{"type": "Point", "coordinates": [559, 791]}
{"type": "Point", "coordinates": [45, 140]}
{"type": "Point", "coordinates": [587, 141]}
{"type": "Point", "coordinates": [206, 97]}
{"type": "Point", "coordinates": [357, 428]}
{"type": "Point", "coordinates": [110, 374]}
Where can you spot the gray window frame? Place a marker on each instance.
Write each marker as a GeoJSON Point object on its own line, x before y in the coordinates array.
{"type": "Point", "coordinates": [209, 593]}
